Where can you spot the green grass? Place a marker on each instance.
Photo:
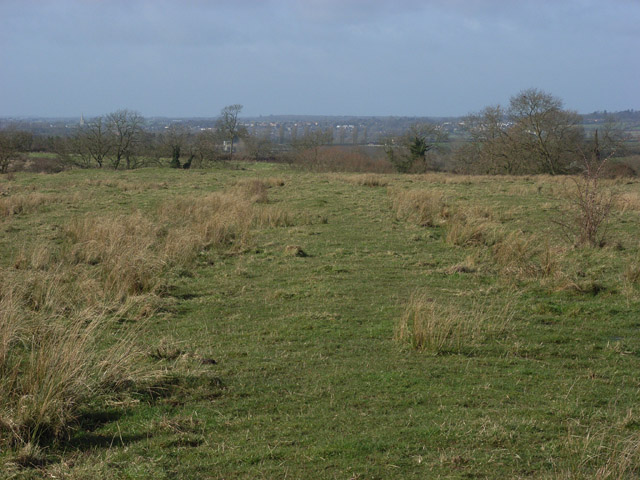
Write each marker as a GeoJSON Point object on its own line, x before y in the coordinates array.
{"type": "Point", "coordinates": [308, 380]}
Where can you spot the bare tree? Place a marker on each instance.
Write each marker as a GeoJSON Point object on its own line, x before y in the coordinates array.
{"type": "Point", "coordinates": [492, 148]}
{"type": "Point", "coordinates": [228, 125]}
{"type": "Point", "coordinates": [534, 135]}
{"type": "Point", "coordinates": [126, 129]}
{"type": "Point", "coordinates": [13, 143]}
{"type": "Point", "coordinates": [547, 136]}
{"type": "Point", "coordinates": [94, 142]}
{"type": "Point", "coordinates": [207, 147]}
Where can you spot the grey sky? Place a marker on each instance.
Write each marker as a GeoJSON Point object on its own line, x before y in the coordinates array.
{"type": "Point", "coordinates": [324, 57]}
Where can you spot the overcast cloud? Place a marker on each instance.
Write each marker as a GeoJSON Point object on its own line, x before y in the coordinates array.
{"type": "Point", "coordinates": [325, 57]}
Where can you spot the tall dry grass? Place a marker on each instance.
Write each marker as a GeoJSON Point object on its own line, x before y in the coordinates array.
{"type": "Point", "coordinates": [25, 203]}
{"type": "Point", "coordinates": [607, 453]}
{"type": "Point", "coordinates": [60, 302]}
{"type": "Point", "coordinates": [525, 256]}
{"type": "Point", "coordinates": [465, 230]}
{"type": "Point", "coordinates": [364, 179]}
{"type": "Point", "coordinates": [52, 363]}
{"type": "Point", "coordinates": [434, 328]}
{"type": "Point", "coordinates": [425, 207]}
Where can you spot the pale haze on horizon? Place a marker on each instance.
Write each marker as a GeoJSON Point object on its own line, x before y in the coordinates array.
{"type": "Point", "coordinates": [316, 57]}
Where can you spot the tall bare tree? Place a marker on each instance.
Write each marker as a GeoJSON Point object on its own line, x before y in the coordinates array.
{"type": "Point", "coordinates": [491, 149]}
{"type": "Point", "coordinates": [94, 142]}
{"type": "Point", "coordinates": [229, 126]}
{"type": "Point", "coordinates": [534, 135]}
{"type": "Point", "coordinates": [126, 130]}
{"type": "Point", "coordinates": [547, 135]}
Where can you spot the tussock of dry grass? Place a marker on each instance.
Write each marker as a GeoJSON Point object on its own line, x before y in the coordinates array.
{"type": "Point", "coordinates": [51, 364]}
{"type": "Point", "coordinates": [126, 186]}
{"type": "Point", "coordinates": [428, 326]}
{"type": "Point", "coordinates": [251, 189]}
{"type": "Point", "coordinates": [464, 230]}
{"type": "Point", "coordinates": [424, 207]}
{"type": "Point", "coordinates": [524, 256]}
{"type": "Point", "coordinates": [629, 201]}
{"type": "Point", "coordinates": [25, 203]}
{"type": "Point", "coordinates": [365, 180]}
{"type": "Point", "coordinates": [605, 453]}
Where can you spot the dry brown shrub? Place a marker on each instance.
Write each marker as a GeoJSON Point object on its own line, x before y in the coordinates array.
{"type": "Point", "coordinates": [344, 159]}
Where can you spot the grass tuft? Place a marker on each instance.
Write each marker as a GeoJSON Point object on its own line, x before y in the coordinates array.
{"type": "Point", "coordinates": [433, 328]}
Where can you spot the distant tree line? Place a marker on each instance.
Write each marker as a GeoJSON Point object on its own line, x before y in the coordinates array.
{"type": "Point", "coordinates": [533, 134]}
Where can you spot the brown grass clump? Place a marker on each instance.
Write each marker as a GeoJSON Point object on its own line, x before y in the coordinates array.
{"type": "Point", "coordinates": [124, 248]}
{"type": "Point", "coordinates": [606, 453]}
{"type": "Point", "coordinates": [524, 256]}
{"type": "Point", "coordinates": [59, 304]}
{"type": "Point", "coordinates": [251, 189]}
{"type": "Point", "coordinates": [50, 365]}
{"type": "Point", "coordinates": [430, 327]}
{"type": "Point", "coordinates": [216, 220]}
{"type": "Point", "coordinates": [424, 207]}
{"type": "Point", "coordinates": [465, 231]}
{"type": "Point", "coordinates": [629, 201]}
{"type": "Point", "coordinates": [366, 180]}
{"type": "Point", "coordinates": [270, 216]}
{"type": "Point", "coordinates": [24, 203]}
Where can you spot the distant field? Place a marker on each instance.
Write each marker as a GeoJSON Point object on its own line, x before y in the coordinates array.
{"type": "Point", "coordinates": [274, 323]}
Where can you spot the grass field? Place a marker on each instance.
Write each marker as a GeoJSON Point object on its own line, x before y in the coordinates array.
{"type": "Point", "coordinates": [264, 322]}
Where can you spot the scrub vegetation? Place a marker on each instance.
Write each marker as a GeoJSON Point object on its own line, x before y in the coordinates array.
{"type": "Point", "coordinates": [256, 320]}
